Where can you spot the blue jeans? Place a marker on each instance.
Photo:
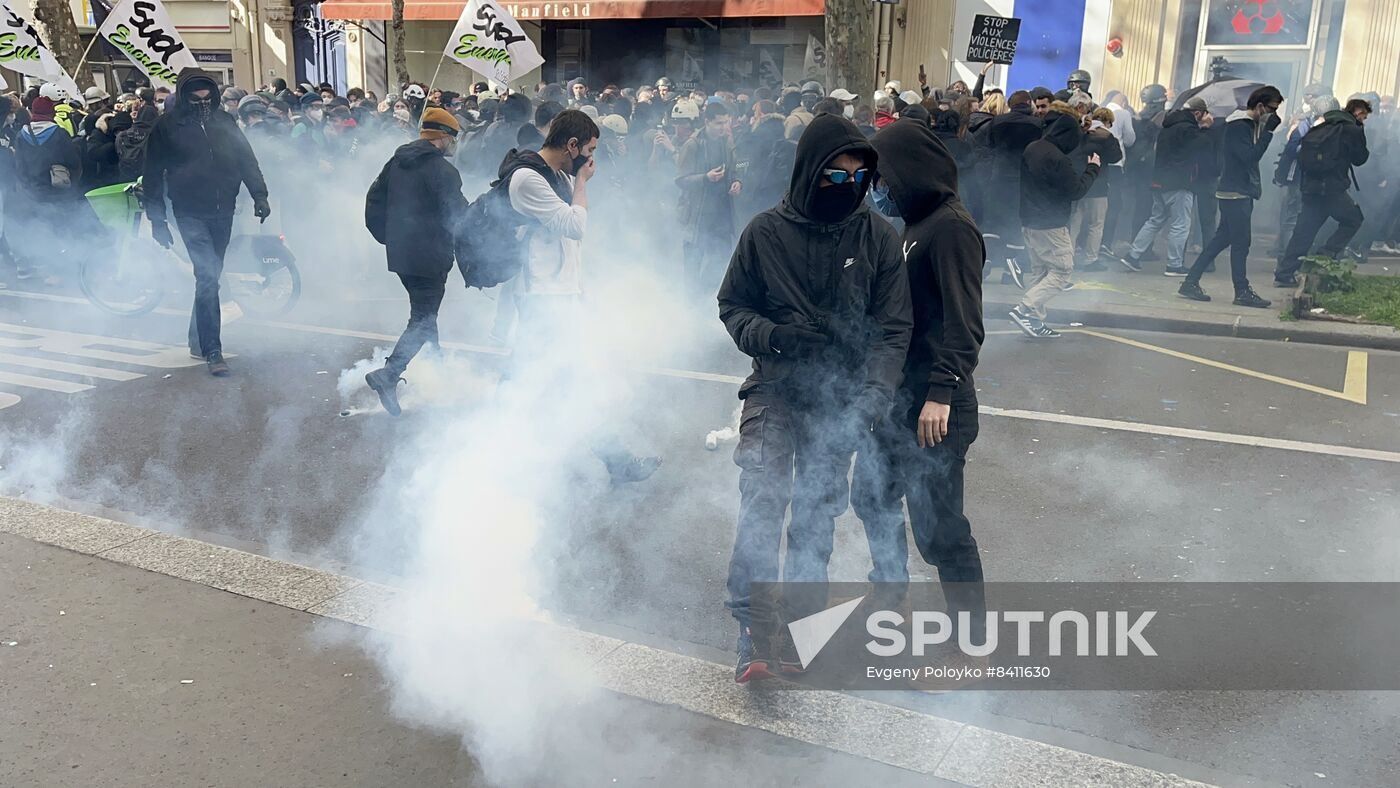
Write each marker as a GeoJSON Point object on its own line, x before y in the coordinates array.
{"type": "Point", "coordinates": [206, 240]}
{"type": "Point", "coordinates": [1172, 209]}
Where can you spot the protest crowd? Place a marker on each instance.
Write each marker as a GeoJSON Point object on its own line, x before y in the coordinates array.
{"type": "Point", "coordinates": [845, 237]}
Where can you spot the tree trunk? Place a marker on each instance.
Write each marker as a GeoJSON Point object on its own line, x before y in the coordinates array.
{"type": "Point", "coordinates": [55, 17]}
{"type": "Point", "coordinates": [850, 46]}
{"type": "Point", "coordinates": [400, 56]}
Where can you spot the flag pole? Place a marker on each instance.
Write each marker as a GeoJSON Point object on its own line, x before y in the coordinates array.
{"type": "Point", "coordinates": [96, 34]}
{"type": "Point", "coordinates": [436, 71]}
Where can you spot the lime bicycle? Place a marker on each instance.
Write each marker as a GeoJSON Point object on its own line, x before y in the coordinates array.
{"type": "Point", "coordinates": [131, 275]}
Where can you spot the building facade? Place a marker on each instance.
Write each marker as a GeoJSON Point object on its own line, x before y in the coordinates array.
{"type": "Point", "coordinates": [1351, 45]}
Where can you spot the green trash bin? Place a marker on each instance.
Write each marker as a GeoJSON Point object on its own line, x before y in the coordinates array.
{"type": "Point", "coordinates": [115, 205]}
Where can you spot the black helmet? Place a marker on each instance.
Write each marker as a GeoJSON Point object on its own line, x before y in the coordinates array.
{"type": "Point", "coordinates": [1078, 78]}
{"type": "Point", "coordinates": [1154, 94]}
{"type": "Point", "coordinates": [663, 83]}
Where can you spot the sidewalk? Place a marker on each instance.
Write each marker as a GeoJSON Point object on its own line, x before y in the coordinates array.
{"type": "Point", "coordinates": [131, 657]}
{"type": "Point", "coordinates": [1147, 300]}
{"type": "Point", "coordinates": [122, 677]}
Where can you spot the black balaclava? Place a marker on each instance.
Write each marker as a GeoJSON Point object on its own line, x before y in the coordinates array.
{"type": "Point", "coordinates": [825, 138]}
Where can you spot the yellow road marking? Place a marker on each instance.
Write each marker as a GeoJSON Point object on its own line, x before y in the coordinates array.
{"type": "Point", "coordinates": [1353, 389]}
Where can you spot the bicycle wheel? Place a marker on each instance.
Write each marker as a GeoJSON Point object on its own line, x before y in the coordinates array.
{"type": "Point", "coordinates": [262, 276]}
{"type": "Point", "coordinates": [125, 280]}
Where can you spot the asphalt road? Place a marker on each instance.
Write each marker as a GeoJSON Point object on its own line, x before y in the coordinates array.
{"type": "Point", "coordinates": [264, 459]}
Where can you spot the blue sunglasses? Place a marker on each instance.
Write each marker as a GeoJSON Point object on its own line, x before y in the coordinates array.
{"type": "Point", "coordinates": [841, 176]}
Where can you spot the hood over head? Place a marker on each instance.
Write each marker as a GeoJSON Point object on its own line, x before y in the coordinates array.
{"type": "Point", "coordinates": [917, 166]}
{"type": "Point", "coordinates": [1063, 131]}
{"type": "Point", "coordinates": [825, 138]}
{"type": "Point", "coordinates": [918, 113]}
{"type": "Point", "coordinates": [1177, 117]}
{"type": "Point", "coordinates": [192, 79]}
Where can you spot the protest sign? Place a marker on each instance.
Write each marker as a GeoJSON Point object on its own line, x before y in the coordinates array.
{"type": "Point", "coordinates": [993, 39]}
{"type": "Point", "coordinates": [489, 41]}
{"type": "Point", "coordinates": [143, 30]}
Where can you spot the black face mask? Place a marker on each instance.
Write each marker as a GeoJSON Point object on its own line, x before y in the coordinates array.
{"type": "Point", "coordinates": [580, 161]}
{"type": "Point", "coordinates": [202, 109]}
{"type": "Point", "coordinates": [833, 203]}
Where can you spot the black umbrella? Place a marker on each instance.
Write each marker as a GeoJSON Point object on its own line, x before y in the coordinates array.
{"type": "Point", "coordinates": [1222, 96]}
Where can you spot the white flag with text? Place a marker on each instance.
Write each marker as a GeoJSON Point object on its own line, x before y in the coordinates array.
{"type": "Point", "coordinates": [143, 30]}
{"type": "Point", "coordinates": [489, 41]}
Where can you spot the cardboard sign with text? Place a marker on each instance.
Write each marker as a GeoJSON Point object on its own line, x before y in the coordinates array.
{"type": "Point", "coordinates": [993, 39]}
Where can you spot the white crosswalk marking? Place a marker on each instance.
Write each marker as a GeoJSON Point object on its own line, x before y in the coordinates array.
{"type": "Point", "coordinates": [21, 361]}
{"type": "Point", "coordinates": [86, 370]}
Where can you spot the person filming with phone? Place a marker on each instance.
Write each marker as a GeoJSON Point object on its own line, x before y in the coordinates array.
{"type": "Point", "coordinates": [708, 180]}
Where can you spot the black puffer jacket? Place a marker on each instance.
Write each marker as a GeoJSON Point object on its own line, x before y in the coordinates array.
{"type": "Point", "coordinates": [943, 254]}
{"type": "Point", "coordinates": [845, 279]}
{"type": "Point", "coordinates": [415, 208]}
{"type": "Point", "coordinates": [1180, 148]}
{"type": "Point", "coordinates": [201, 164]}
{"type": "Point", "coordinates": [101, 165]}
{"type": "Point", "coordinates": [1005, 138]}
{"type": "Point", "coordinates": [1050, 183]}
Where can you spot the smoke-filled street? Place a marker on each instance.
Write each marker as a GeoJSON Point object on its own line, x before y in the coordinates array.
{"type": "Point", "coordinates": [521, 393]}
{"type": "Point", "coordinates": [270, 465]}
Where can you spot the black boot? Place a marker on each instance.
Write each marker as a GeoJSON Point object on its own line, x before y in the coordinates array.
{"type": "Point", "coordinates": [1192, 290]}
{"type": "Point", "coordinates": [1248, 297]}
{"type": "Point", "coordinates": [386, 384]}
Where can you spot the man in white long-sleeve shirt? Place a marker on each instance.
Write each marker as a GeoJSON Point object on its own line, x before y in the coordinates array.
{"type": "Point", "coordinates": [554, 198]}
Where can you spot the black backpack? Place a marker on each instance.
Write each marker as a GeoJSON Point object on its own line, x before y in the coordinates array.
{"type": "Point", "coordinates": [490, 247]}
{"type": "Point", "coordinates": [1320, 152]}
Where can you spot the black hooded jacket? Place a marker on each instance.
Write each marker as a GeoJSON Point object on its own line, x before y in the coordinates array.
{"type": "Point", "coordinates": [415, 208]}
{"type": "Point", "coordinates": [200, 164]}
{"type": "Point", "coordinates": [1049, 181]}
{"type": "Point", "coordinates": [844, 279]}
{"type": "Point", "coordinates": [943, 254]}
{"type": "Point", "coordinates": [1181, 146]}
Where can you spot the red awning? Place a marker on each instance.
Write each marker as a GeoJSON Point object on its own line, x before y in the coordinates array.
{"type": "Point", "coordinates": [530, 10]}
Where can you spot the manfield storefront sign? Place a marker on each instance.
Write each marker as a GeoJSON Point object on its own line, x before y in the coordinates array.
{"type": "Point", "coordinates": [578, 9]}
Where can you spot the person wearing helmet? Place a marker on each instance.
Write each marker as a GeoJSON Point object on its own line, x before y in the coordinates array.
{"type": "Point", "coordinates": [817, 294]}
{"type": "Point", "coordinates": [1141, 158]}
{"type": "Point", "coordinates": [199, 157]}
{"type": "Point", "coordinates": [1079, 79]}
{"type": "Point", "coordinates": [800, 116]}
{"type": "Point", "coordinates": [417, 99]}
{"type": "Point", "coordinates": [708, 177]}
{"type": "Point", "coordinates": [97, 102]}
{"type": "Point", "coordinates": [666, 91]}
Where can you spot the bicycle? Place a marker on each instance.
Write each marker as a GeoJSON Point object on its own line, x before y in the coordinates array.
{"type": "Point", "coordinates": [131, 276]}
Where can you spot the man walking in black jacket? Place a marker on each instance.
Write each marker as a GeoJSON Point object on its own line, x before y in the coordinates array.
{"type": "Point", "coordinates": [415, 208]}
{"type": "Point", "coordinates": [1248, 133]}
{"type": "Point", "coordinates": [816, 294]}
{"type": "Point", "coordinates": [919, 451]}
{"type": "Point", "coordinates": [1326, 157]}
{"type": "Point", "coordinates": [1005, 138]}
{"type": "Point", "coordinates": [1181, 145]}
{"type": "Point", "coordinates": [198, 156]}
{"type": "Point", "coordinates": [1049, 186]}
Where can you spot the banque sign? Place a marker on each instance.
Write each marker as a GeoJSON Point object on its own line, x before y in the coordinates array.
{"type": "Point", "coordinates": [143, 30]}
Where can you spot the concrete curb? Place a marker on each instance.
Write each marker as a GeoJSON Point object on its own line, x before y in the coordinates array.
{"type": "Point", "coordinates": [922, 743]}
{"type": "Point", "coordinates": [1265, 326]}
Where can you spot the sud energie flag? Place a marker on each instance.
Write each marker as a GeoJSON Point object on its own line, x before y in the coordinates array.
{"type": "Point", "coordinates": [489, 41]}
{"type": "Point", "coordinates": [143, 30]}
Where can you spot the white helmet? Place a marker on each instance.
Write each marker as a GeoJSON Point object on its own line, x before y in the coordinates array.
{"type": "Point", "coordinates": [685, 109]}
{"type": "Point", "coordinates": [414, 92]}
{"type": "Point", "coordinates": [54, 92]}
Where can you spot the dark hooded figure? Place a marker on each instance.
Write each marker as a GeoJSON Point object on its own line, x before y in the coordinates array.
{"type": "Point", "coordinates": [198, 156]}
{"type": "Point", "coordinates": [131, 144]}
{"type": "Point", "coordinates": [816, 294]}
{"type": "Point", "coordinates": [919, 451]}
{"type": "Point", "coordinates": [1004, 139]}
{"type": "Point", "coordinates": [1050, 183]}
{"type": "Point", "coordinates": [102, 162]}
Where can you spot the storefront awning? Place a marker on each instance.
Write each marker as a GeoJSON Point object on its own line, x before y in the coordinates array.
{"type": "Point", "coordinates": [577, 9]}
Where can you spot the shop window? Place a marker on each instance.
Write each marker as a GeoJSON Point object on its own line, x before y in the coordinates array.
{"type": "Point", "coordinates": [1258, 22]}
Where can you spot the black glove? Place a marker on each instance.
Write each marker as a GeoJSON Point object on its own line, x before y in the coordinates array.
{"type": "Point", "coordinates": [797, 340]}
{"type": "Point", "coordinates": [1272, 122]}
{"type": "Point", "coordinates": [160, 231]}
{"type": "Point", "coordinates": [261, 209]}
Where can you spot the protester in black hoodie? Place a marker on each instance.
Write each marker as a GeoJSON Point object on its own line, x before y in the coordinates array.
{"type": "Point", "coordinates": [1050, 184]}
{"type": "Point", "coordinates": [415, 208]}
{"type": "Point", "coordinates": [1248, 133]}
{"type": "Point", "coordinates": [1181, 147]}
{"type": "Point", "coordinates": [920, 450]}
{"type": "Point", "coordinates": [817, 296]}
{"type": "Point", "coordinates": [198, 156]}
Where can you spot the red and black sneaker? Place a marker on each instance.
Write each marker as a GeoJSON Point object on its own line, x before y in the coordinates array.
{"type": "Point", "coordinates": [788, 660]}
{"type": "Point", "coordinates": [752, 665]}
